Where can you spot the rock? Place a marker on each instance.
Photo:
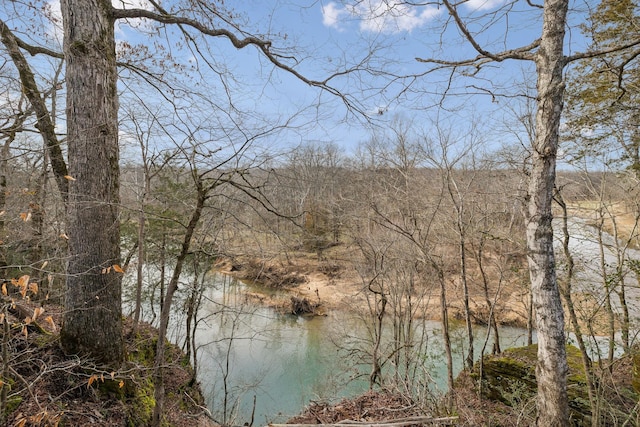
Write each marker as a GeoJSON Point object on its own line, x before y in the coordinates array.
{"type": "Point", "coordinates": [510, 378]}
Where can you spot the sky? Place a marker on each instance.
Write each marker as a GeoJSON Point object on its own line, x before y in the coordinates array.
{"type": "Point", "coordinates": [391, 35]}
{"type": "Point", "coordinates": [379, 39]}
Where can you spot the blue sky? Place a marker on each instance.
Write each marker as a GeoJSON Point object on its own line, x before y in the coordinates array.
{"type": "Point", "coordinates": [325, 37]}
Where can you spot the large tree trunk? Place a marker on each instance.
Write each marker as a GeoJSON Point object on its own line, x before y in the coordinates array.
{"type": "Point", "coordinates": [93, 312]}
{"type": "Point", "coordinates": [551, 371]}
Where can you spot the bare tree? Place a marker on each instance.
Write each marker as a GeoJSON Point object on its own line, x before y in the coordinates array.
{"type": "Point", "coordinates": [547, 53]}
{"type": "Point", "coordinates": [93, 322]}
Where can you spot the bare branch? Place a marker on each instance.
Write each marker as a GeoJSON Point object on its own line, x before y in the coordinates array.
{"type": "Point", "coordinates": [35, 50]}
{"type": "Point", "coordinates": [44, 122]}
{"type": "Point", "coordinates": [597, 53]}
{"type": "Point", "coordinates": [264, 46]}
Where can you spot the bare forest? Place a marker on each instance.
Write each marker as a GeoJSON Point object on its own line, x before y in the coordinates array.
{"type": "Point", "coordinates": [183, 183]}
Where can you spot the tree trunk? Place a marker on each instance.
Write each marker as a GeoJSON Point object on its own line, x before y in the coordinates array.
{"type": "Point", "coordinates": [446, 336]}
{"type": "Point", "coordinates": [491, 320]}
{"type": "Point", "coordinates": [93, 311]}
{"type": "Point", "coordinates": [573, 317]}
{"type": "Point", "coordinates": [551, 370]}
{"type": "Point", "coordinates": [158, 373]}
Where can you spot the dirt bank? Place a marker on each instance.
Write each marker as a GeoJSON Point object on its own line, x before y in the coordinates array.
{"type": "Point", "coordinates": [332, 283]}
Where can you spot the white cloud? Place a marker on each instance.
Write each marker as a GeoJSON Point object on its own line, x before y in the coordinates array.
{"type": "Point", "coordinates": [56, 32]}
{"type": "Point", "coordinates": [483, 4]}
{"type": "Point", "coordinates": [384, 16]}
{"type": "Point", "coordinates": [331, 15]}
{"type": "Point", "coordinates": [54, 29]}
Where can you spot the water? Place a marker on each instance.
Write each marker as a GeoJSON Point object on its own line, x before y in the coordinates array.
{"type": "Point", "coordinates": [249, 352]}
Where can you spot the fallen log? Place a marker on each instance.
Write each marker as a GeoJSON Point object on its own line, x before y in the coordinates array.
{"type": "Point", "coordinates": [386, 423]}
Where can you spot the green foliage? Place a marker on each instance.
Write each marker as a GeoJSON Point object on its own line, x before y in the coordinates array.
{"type": "Point", "coordinates": [12, 403]}
{"type": "Point", "coordinates": [602, 98]}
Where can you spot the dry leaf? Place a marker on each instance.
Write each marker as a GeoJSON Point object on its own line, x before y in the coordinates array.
{"type": "Point", "coordinates": [37, 312]}
{"type": "Point", "coordinates": [92, 379]}
{"type": "Point", "coordinates": [25, 216]}
{"type": "Point", "coordinates": [4, 289]}
{"type": "Point", "coordinates": [25, 332]}
{"type": "Point", "coordinates": [44, 264]}
{"type": "Point", "coordinates": [23, 281]}
{"type": "Point", "coordinates": [117, 268]}
{"type": "Point", "coordinates": [33, 287]}
{"type": "Point", "coordinates": [64, 236]}
{"type": "Point", "coordinates": [121, 384]}
{"type": "Point", "coordinates": [49, 320]}
{"type": "Point", "coordinates": [69, 178]}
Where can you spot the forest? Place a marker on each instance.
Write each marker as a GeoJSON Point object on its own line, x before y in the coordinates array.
{"type": "Point", "coordinates": [180, 179]}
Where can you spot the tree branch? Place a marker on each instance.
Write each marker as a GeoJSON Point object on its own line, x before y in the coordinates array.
{"type": "Point", "coordinates": [44, 122]}
{"type": "Point", "coordinates": [264, 46]}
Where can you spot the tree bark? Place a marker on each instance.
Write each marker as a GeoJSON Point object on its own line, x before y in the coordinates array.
{"type": "Point", "coordinates": [551, 370]}
{"type": "Point", "coordinates": [93, 311]}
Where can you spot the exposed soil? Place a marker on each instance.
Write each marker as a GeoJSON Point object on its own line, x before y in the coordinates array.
{"type": "Point", "coordinates": [332, 283]}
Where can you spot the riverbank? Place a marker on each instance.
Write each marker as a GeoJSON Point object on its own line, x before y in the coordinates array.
{"type": "Point", "coordinates": [333, 283]}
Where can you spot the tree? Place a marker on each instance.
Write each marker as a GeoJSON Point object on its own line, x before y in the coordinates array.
{"type": "Point", "coordinates": [547, 54]}
{"type": "Point", "coordinates": [93, 312]}
{"type": "Point", "coordinates": [603, 92]}
{"type": "Point", "coordinates": [93, 323]}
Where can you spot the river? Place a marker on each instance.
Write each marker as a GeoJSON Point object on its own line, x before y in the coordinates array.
{"type": "Point", "coordinates": [253, 360]}
{"type": "Point", "coordinates": [249, 352]}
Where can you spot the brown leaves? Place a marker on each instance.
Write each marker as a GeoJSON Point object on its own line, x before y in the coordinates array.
{"type": "Point", "coordinates": [95, 377]}
{"type": "Point", "coordinates": [51, 323]}
{"type": "Point", "coordinates": [42, 418]}
{"type": "Point", "coordinates": [37, 312]}
{"type": "Point", "coordinates": [114, 267]}
{"type": "Point", "coordinates": [23, 285]}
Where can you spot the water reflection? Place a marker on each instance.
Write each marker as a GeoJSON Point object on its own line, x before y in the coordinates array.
{"type": "Point", "coordinates": [252, 354]}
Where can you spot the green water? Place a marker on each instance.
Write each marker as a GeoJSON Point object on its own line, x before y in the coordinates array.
{"type": "Point", "coordinates": [284, 362]}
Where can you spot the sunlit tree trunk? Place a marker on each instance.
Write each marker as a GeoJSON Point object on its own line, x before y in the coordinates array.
{"type": "Point", "coordinates": [93, 311]}
{"type": "Point", "coordinates": [551, 369]}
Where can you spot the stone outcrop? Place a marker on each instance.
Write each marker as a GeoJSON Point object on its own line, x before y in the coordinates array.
{"type": "Point", "coordinates": [510, 378]}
